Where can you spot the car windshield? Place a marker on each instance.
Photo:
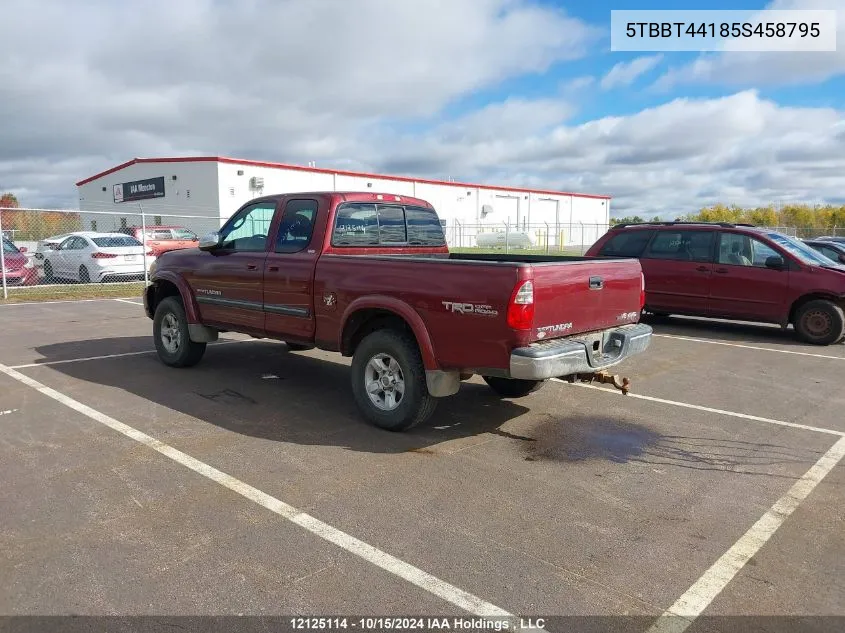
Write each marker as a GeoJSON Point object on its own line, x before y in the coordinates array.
{"type": "Point", "coordinates": [800, 250]}
{"type": "Point", "coordinates": [115, 241]}
{"type": "Point", "coordinates": [8, 247]}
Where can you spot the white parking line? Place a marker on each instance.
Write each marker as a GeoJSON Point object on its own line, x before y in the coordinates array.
{"type": "Point", "coordinates": [699, 596]}
{"type": "Point", "coordinates": [47, 363]}
{"type": "Point", "coordinates": [373, 555]}
{"type": "Point", "coordinates": [41, 303]}
{"type": "Point", "coordinates": [742, 345]}
{"type": "Point", "coordinates": [129, 301]}
{"type": "Point", "coordinates": [698, 407]}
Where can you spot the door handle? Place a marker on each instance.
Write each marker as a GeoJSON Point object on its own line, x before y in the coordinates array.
{"type": "Point", "coordinates": [722, 271]}
{"type": "Point", "coordinates": [703, 269]}
{"type": "Point", "coordinates": [251, 266]}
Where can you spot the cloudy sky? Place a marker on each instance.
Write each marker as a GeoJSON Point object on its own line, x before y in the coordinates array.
{"type": "Point", "coordinates": [519, 92]}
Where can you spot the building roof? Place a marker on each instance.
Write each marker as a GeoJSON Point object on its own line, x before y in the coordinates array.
{"type": "Point", "coordinates": [321, 170]}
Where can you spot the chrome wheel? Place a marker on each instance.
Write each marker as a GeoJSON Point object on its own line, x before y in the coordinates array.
{"type": "Point", "coordinates": [384, 382]}
{"type": "Point", "coordinates": [171, 335]}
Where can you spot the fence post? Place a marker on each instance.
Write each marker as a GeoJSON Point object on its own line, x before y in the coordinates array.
{"type": "Point", "coordinates": [507, 235]}
{"type": "Point", "coordinates": [144, 243]}
{"type": "Point", "coordinates": [548, 237]}
{"type": "Point", "coordinates": [3, 257]}
{"type": "Point", "coordinates": [582, 237]}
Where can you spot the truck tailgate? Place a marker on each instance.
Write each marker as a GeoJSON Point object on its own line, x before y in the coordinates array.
{"type": "Point", "coordinates": [575, 297]}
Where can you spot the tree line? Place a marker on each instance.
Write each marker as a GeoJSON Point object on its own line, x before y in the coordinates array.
{"type": "Point", "coordinates": [824, 218]}
{"type": "Point", "coordinates": [23, 224]}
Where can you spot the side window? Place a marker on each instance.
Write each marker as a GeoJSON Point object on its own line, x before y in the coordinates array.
{"type": "Point", "coordinates": [297, 226]}
{"type": "Point", "coordinates": [247, 231]}
{"type": "Point", "coordinates": [626, 244]}
{"type": "Point", "coordinates": [74, 244]}
{"type": "Point", "coordinates": [741, 250]}
{"type": "Point", "coordinates": [183, 234]}
{"type": "Point", "coordinates": [391, 225]}
{"type": "Point", "coordinates": [356, 225]}
{"type": "Point", "coordinates": [690, 246]}
{"type": "Point", "coordinates": [424, 227]}
{"type": "Point", "coordinates": [828, 252]}
{"type": "Point", "coordinates": [162, 234]}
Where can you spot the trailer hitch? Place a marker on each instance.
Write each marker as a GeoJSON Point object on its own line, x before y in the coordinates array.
{"type": "Point", "coordinates": [621, 383]}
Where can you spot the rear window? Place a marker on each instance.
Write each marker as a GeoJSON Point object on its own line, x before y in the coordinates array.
{"type": "Point", "coordinates": [362, 224]}
{"type": "Point", "coordinates": [115, 242]}
{"type": "Point", "coordinates": [627, 244]}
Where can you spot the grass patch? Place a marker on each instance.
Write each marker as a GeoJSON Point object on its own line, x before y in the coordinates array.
{"type": "Point", "coordinates": [73, 291]}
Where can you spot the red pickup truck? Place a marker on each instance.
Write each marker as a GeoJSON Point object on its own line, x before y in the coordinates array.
{"type": "Point", "coordinates": [370, 276]}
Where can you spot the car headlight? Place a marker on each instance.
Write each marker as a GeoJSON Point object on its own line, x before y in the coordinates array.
{"type": "Point", "coordinates": [30, 263]}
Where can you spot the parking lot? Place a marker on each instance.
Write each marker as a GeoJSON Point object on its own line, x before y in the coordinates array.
{"type": "Point", "coordinates": [248, 484]}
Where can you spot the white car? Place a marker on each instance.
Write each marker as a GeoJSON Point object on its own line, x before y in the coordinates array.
{"type": "Point", "coordinates": [90, 256]}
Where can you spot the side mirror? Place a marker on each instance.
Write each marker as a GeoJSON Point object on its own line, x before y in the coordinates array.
{"type": "Point", "coordinates": [775, 262]}
{"type": "Point", "coordinates": [22, 249]}
{"type": "Point", "coordinates": [842, 259]}
{"type": "Point", "coordinates": [210, 241]}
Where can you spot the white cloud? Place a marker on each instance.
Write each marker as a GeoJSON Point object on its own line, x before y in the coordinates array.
{"type": "Point", "coordinates": [759, 69]}
{"type": "Point", "coordinates": [626, 73]}
{"type": "Point", "coordinates": [670, 159]}
{"type": "Point", "coordinates": [343, 83]}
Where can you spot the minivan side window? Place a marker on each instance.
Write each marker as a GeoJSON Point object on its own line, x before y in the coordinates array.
{"type": "Point", "coordinates": [736, 249]}
{"type": "Point", "coordinates": [689, 246]}
{"type": "Point", "coordinates": [626, 244]}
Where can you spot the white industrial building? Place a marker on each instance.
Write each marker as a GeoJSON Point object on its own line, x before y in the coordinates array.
{"type": "Point", "coordinates": [200, 193]}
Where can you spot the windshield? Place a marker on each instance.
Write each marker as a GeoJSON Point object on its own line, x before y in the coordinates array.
{"type": "Point", "coordinates": [115, 242]}
{"type": "Point", "coordinates": [8, 247]}
{"type": "Point", "coordinates": [800, 250]}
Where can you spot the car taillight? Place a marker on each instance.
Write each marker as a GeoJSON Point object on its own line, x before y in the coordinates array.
{"type": "Point", "coordinates": [642, 291]}
{"type": "Point", "coordinates": [150, 253]}
{"type": "Point", "coordinates": [521, 307]}
{"type": "Point", "coordinates": [99, 255]}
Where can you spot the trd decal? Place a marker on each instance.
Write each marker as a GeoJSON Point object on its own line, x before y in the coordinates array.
{"type": "Point", "coordinates": [456, 307]}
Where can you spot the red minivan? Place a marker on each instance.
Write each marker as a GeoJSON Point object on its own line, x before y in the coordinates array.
{"type": "Point", "coordinates": [734, 271]}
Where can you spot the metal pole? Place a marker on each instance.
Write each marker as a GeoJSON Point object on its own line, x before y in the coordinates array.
{"type": "Point", "coordinates": [507, 234]}
{"type": "Point", "coordinates": [144, 243]}
{"type": "Point", "coordinates": [3, 258]}
{"type": "Point", "coordinates": [548, 236]}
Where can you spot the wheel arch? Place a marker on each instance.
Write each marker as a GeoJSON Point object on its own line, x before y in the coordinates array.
{"type": "Point", "coordinates": [813, 296]}
{"type": "Point", "coordinates": [170, 285]}
{"type": "Point", "coordinates": [368, 314]}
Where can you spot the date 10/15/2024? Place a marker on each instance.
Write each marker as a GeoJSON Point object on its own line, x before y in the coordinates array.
{"type": "Point", "coordinates": [416, 623]}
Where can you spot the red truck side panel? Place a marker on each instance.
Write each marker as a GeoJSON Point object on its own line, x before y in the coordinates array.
{"type": "Point", "coordinates": [450, 299]}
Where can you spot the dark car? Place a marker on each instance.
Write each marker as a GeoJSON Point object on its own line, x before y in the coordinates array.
{"type": "Point", "coordinates": [734, 271]}
{"type": "Point", "coordinates": [834, 251]}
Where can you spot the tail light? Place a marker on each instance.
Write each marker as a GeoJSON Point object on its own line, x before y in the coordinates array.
{"type": "Point", "coordinates": [150, 253]}
{"type": "Point", "coordinates": [521, 306]}
{"type": "Point", "coordinates": [101, 255]}
{"type": "Point", "coordinates": [642, 291]}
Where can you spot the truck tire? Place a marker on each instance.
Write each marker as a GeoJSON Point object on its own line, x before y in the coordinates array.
{"type": "Point", "coordinates": [820, 322]}
{"type": "Point", "coordinates": [388, 381]}
{"type": "Point", "coordinates": [170, 333]}
{"type": "Point", "coordinates": [513, 387]}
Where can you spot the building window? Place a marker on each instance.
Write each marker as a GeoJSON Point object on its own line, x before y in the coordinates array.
{"type": "Point", "coordinates": [158, 220]}
{"type": "Point", "coordinates": [123, 223]}
{"type": "Point", "coordinates": [93, 225]}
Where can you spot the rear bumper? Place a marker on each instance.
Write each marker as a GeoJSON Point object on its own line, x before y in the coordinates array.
{"type": "Point", "coordinates": [564, 357]}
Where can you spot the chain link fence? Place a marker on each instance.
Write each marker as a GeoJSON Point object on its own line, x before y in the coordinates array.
{"type": "Point", "coordinates": [71, 254]}
{"type": "Point", "coordinates": [535, 238]}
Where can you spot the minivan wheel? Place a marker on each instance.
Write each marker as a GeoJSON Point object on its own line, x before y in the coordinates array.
{"type": "Point", "coordinates": [513, 387]}
{"type": "Point", "coordinates": [388, 381]}
{"type": "Point", "coordinates": [820, 322]}
{"type": "Point", "coordinates": [170, 333]}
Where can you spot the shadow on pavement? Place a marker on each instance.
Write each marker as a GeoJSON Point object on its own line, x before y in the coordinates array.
{"type": "Point", "coordinates": [261, 389]}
